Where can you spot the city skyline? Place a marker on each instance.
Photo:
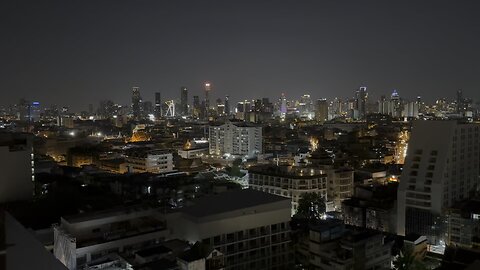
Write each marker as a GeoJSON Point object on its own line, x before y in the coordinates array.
{"type": "Point", "coordinates": [259, 49]}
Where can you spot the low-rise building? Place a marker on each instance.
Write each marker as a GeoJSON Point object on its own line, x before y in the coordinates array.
{"type": "Point", "coordinates": [463, 224]}
{"type": "Point", "coordinates": [288, 181]}
{"type": "Point", "coordinates": [250, 228]}
{"type": "Point", "coordinates": [83, 238]}
{"type": "Point", "coordinates": [333, 247]}
{"type": "Point", "coordinates": [141, 160]}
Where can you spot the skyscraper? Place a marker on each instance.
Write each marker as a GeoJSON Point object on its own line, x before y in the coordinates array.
{"type": "Point", "coordinates": [137, 106]}
{"type": "Point", "coordinates": [227, 105]}
{"type": "Point", "coordinates": [441, 167]}
{"type": "Point", "coordinates": [158, 105]}
{"type": "Point", "coordinates": [183, 100]}
{"type": "Point", "coordinates": [196, 107]}
{"type": "Point", "coordinates": [361, 102]}
{"type": "Point", "coordinates": [321, 113]}
{"type": "Point", "coordinates": [208, 88]}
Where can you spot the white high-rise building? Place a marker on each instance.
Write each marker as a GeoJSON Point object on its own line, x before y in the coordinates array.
{"type": "Point", "coordinates": [441, 167]}
{"type": "Point", "coordinates": [235, 138]}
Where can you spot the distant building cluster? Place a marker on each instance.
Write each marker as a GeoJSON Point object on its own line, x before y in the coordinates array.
{"type": "Point", "coordinates": [213, 184]}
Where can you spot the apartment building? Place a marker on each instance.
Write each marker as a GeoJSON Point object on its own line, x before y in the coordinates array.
{"type": "Point", "coordinates": [288, 181]}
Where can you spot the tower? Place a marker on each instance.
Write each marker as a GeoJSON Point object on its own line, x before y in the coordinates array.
{"type": "Point", "coordinates": [227, 105]}
{"type": "Point", "coordinates": [361, 101]}
{"type": "Point", "coordinates": [196, 107]}
{"type": "Point", "coordinates": [321, 114]}
{"type": "Point", "coordinates": [208, 88]}
{"type": "Point", "coordinates": [137, 106]}
{"type": "Point", "coordinates": [183, 101]}
{"type": "Point", "coordinates": [158, 105]}
{"type": "Point", "coordinates": [441, 167]}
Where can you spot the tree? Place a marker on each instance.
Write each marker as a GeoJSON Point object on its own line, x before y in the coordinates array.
{"type": "Point", "coordinates": [407, 261]}
{"type": "Point", "coordinates": [311, 206]}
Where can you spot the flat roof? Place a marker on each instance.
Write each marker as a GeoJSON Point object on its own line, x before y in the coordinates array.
{"type": "Point", "coordinates": [106, 213]}
{"type": "Point", "coordinates": [230, 201]}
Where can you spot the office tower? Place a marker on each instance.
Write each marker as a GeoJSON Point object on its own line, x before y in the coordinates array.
{"type": "Point", "coordinates": [321, 113]}
{"type": "Point", "coordinates": [220, 107]}
{"type": "Point", "coordinates": [288, 181]}
{"type": "Point", "coordinates": [460, 102]}
{"type": "Point", "coordinates": [227, 105]}
{"type": "Point", "coordinates": [441, 167]}
{"type": "Point", "coordinates": [251, 233]}
{"type": "Point", "coordinates": [158, 105]}
{"type": "Point", "coordinates": [17, 167]}
{"type": "Point", "coordinates": [183, 101]}
{"type": "Point", "coordinates": [243, 110]}
{"type": "Point", "coordinates": [33, 111]}
{"type": "Point", "coordinates": [361, 102]}
{"type": "Point", "coordinates": [196, 107]}
{"type": "Point", "coordinates": [395, 108]}
{"type": "Point", "coordinates": [137, 106]}
{"type": "Point", "coordinates": [305, 105]}
{"type": "Point", "coordinates": [208, 88]}
{"type": "Point", "coordinates": [283, 106]}
{"type": "Point", "coordinates": [235, 138]}
{"type": "Point", "coordinates": [410, 109]}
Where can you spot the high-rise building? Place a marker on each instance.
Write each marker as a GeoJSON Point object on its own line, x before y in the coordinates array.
{"type": "Point", "coordinates": [235, 138]}
{"type": "Point", "coordinates": [220, 107]}
{"type": "Point", "coordinates": [460, 102]}
{"type": "Point", "coordinates": [361, 96]}
{"type": "Point", "coordinates": [227, 105]}
{"type": "Point", "coordinates": [158, 105]}
{"type": "Point", "coordinates": [183, 100]}
{"type": "Point", "coordinates": [137, 107]}
{"type": "Point", "coordinates": [208, 88]}
{"type": "Point", "coordinates": [283, 106]}
{"type": "Point", "coordinates": [441, 167]}
{"type": "Point", "coordinates": [321, 113]}
{"type": "Point", "coordinates": [196, 107]}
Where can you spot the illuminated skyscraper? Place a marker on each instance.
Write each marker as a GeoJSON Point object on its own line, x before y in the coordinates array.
{"type": "Point", "coordinates": [283, 105]}
{"type": "Point", "coordinates": [158, 105]}
{"type": "Point", "coordinates": [137, 107]}
{"type": "Point", "coordinates": [183, 100]}
{"type": "Point", "coordinates": [208, 88]}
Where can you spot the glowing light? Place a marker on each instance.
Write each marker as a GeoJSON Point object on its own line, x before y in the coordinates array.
{"type": "Point", "coordinates": [72, 133]}
{"type": "Point", "coordinates": [313, 143]}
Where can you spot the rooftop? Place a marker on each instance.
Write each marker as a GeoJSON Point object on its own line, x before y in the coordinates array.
{"type": "Point", "coordinates": [230, 201]}
{"type": "Point", "coordinates": [287, 171]}
{"type": "Point", "coordinates": [105, 213]}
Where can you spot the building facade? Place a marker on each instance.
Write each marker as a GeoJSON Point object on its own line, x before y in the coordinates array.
{"type": "Point", "coordinates": [441, 167]}
{"type": "Point", "coordinates": [251, 233]}
{"type": "Point", "coordinates": [288, 181]}
{"type": "Point", "coordinates": [235, 138]}
{"type": "Point", "coordinates": [153, 161]}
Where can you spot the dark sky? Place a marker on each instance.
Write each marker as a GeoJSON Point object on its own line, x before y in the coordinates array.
{"type": "Point", "coordinates": [78, 52]}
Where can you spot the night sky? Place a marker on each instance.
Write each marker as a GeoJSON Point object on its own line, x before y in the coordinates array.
{"type": "Point", "coordinates": [78, 52]}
